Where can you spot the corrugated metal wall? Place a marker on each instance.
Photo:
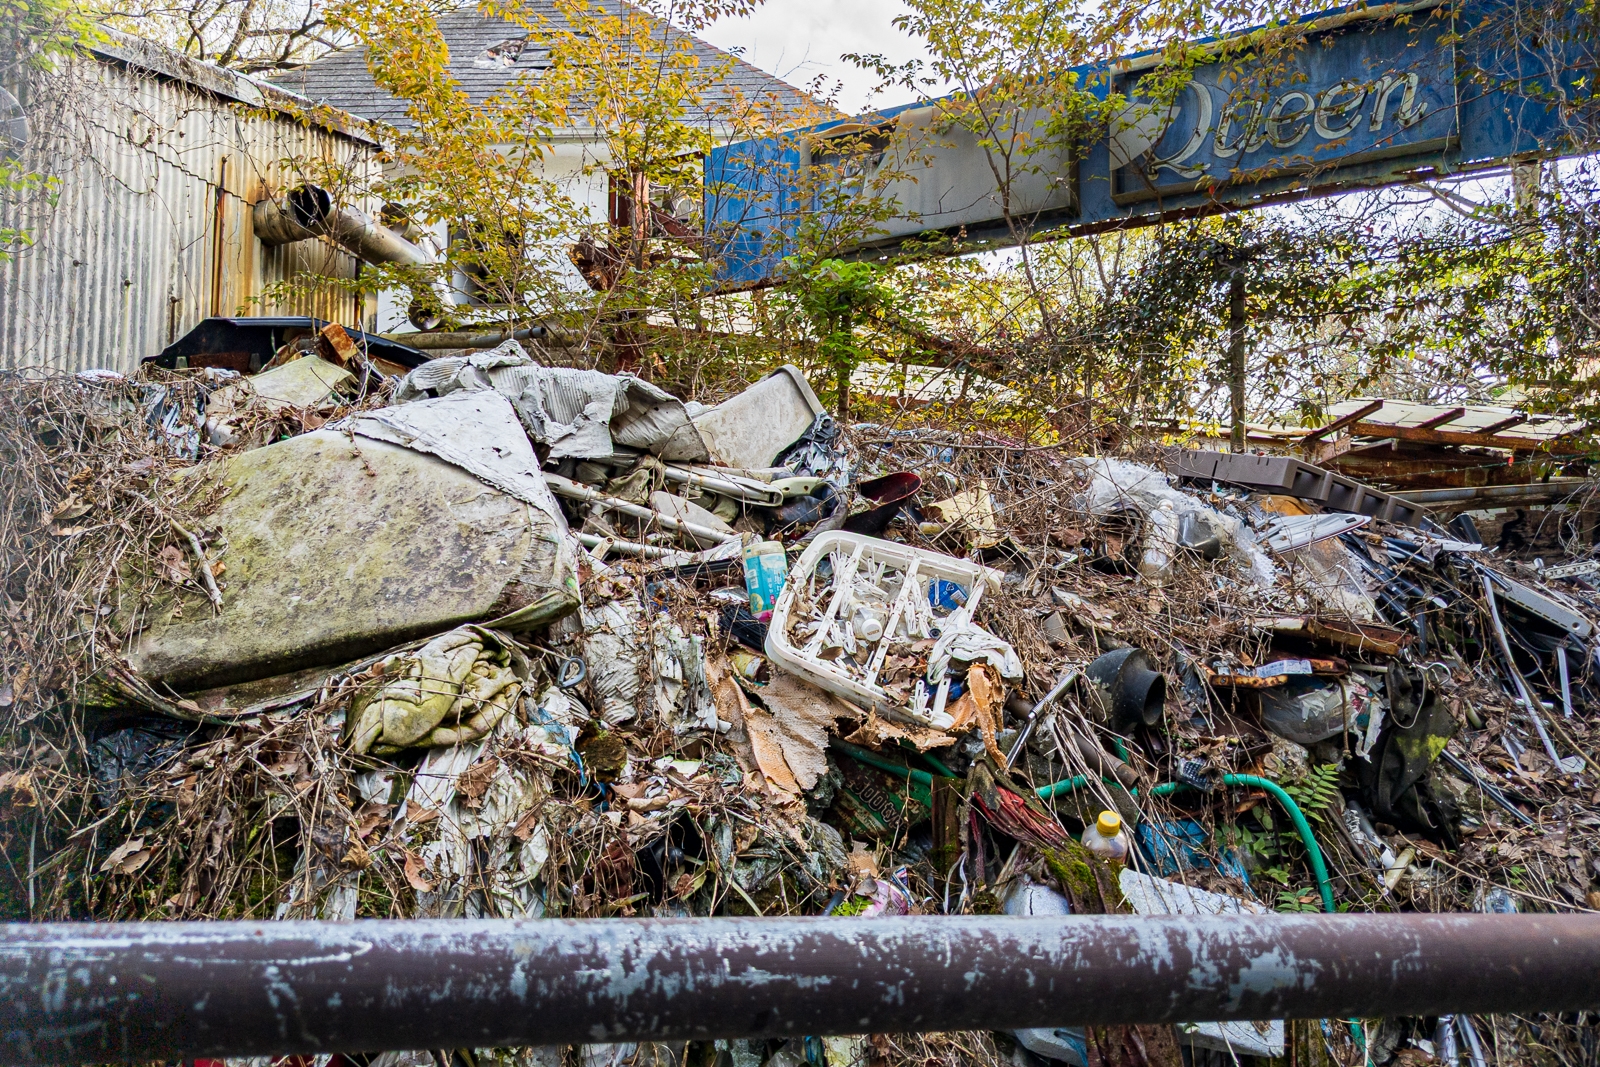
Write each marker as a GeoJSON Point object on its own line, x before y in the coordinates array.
{"type": "Point", "coordinates": [152, 230]}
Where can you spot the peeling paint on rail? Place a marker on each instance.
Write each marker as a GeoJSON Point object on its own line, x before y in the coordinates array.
{"type": "Point", "coordinates": [74, 993]}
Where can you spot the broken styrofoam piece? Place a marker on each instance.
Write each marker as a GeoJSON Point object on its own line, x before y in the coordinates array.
{"type": "Point", "coordinates": [339, 549]}
{"type": "Point", "coordinates": [1029, 899]}
{"type": "Point", "coordinates": [753, 428]}
{"type": "Point", "coordinates": [1158, 896]}
{"type": "Point", "coordinates": [1148, 895]}
{"type": "Point", "coordinates": [301, 383]}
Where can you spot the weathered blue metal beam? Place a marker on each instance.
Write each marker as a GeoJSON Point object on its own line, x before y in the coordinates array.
{"type": "Point", "coordinates": [1374, 95]}
{"type": "Point", "coordinates": [80, 993]}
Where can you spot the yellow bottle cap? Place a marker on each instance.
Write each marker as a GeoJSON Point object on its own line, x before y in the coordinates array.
{"type": "Point", "coordinates": [1109, 824]}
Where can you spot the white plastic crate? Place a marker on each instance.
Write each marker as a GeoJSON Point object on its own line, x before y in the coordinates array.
{"type": "Point", "coordinates": [863, 558]}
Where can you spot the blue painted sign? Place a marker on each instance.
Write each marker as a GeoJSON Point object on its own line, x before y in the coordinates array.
{"type": "Point", "coordinates": [1366, 94]}
{"type": "Point", "coordinates": [1367, 98]}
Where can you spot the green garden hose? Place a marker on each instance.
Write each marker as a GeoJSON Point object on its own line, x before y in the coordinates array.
{"type": "Point", "coordinates": [872, 759]}
{"type": "Point", "coordinates": [1068, 785]}
{"type": "Point", "coordinates": [1303, 828]}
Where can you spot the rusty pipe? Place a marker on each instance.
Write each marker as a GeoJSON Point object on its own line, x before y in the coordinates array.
{"type": "Point", "coordinates": [100, 992]}
{"type": "Point", "coordinates": [442, 340]}
{"type": "Point", "coordinates": [311, 211]}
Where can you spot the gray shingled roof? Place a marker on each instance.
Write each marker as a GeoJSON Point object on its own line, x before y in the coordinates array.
{"type": "Point", "coordinates": [341, 79]}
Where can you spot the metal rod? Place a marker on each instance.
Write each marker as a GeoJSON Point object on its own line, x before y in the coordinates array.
{"type": "Point", "coordinates": [1532, 493]}
{"type": "Point", "coordinates": [1474, 1046]}
{"type": "Point", "coordinates": [750, 493]}
{"type": "Point", "coordinates": [1566, 681]}
{"type": "Point", "coordinates": [1526, 695]}
{"type": "Point", "coordinates": [438, 340]}
{"type": "Point", "coordinates": [1033, 714]}
{"type": "Point", "coordinates": [630, 548]}
{"type": "Point", "coordinates": [101, 992]}
{"type": "Point", "coordinates": [1484, 787]}
{"type": "Point", "coordinates": [1022, 738]}
{"type": "Point", "coordinates": [577, 491]}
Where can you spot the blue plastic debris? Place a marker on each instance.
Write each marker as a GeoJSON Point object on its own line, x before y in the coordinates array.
{"type": "Point", "coordinates": [946, 594]}
{"type": "Point", "coordinates": [1177, 846]}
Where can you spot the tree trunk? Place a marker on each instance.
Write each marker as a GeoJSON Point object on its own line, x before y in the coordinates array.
{"type": "Point", "coordinates": [844, 343]}
{"type": "Point", "coordinates": [1236, 360]}
{"type": "Point", "coordinates": [641, 220]}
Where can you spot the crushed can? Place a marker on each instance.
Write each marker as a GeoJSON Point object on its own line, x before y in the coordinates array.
{"type": "Point", "coordinates": [766, 568]}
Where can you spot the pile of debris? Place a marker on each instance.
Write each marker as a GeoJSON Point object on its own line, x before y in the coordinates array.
{"type": "Point", "coordinates": [491, 638]}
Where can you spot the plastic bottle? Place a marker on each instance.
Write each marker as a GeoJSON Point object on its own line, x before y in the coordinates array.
{"type": "Point", "coordinates": [765, 570]}
{"type": "Point", "coordinates": [1106, 838]}
{"type": "Point", "coordinates": [868, 624]}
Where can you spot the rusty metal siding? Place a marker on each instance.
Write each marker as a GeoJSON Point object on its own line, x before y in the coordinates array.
{"type": "Point", "coordinates": [152, 231]}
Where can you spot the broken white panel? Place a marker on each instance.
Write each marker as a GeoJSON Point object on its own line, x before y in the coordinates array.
{"type": "Point", "coordinates": [1158, 896]}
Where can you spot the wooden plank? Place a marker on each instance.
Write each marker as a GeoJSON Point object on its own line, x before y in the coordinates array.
{"type": "Point", "coordinates": [1341, 422]}
{"type": "Point", "coordinates": [1320, 452]}
{"type": "Point", "coordinates": [1504, 424]}
{"type": "Point", "coordinates": [1448, 437]}
{"type": "Point", "coordinates": [1448, 416]}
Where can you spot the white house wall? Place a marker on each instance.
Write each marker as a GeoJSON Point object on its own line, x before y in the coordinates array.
{"type": "Point", "coordinates": [566, 164]}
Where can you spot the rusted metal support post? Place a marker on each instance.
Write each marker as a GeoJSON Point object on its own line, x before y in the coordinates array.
{"type": "Point", "coordinates": [78, 993]}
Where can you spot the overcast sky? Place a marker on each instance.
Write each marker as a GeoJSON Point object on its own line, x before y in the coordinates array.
{"type": "Point", "coordinates": [800, 39]}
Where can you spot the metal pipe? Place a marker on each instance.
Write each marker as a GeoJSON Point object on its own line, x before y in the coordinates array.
{"type": "Point", "coordinates": [1525, 694]}
{"type": "Point", "coordinates": [753, 493]}
{"type": "Point", "coordinates": [630, 548]}
{"type": "Point", "coordinates": [274, 226]}
{"type": "Point", "coordinates": [314, 208]}
{"type": "Point", "coordinates": [1497, 495]}
{"type": "Point", "coordinates": [1022, 738]}
{"type": "Point", "coordinates": [1474, 1046]}
{"type": "Point", "coordinates": [1566, 681]}
{"type": "Point", "coordinates": [1485, 788]}
{"type": "Point", "coordinates": [102, 992]}
{"type": "Point", "coordinates": [576, 491]}
{"type": "Point", "coordinates": [1033, 715]}
{"type": "Point", "coordinates": [310, 211]}
{"type": "Point", "coordinates": [436, 340]}
{"type": "Point", "coordinates": [372, 241]}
